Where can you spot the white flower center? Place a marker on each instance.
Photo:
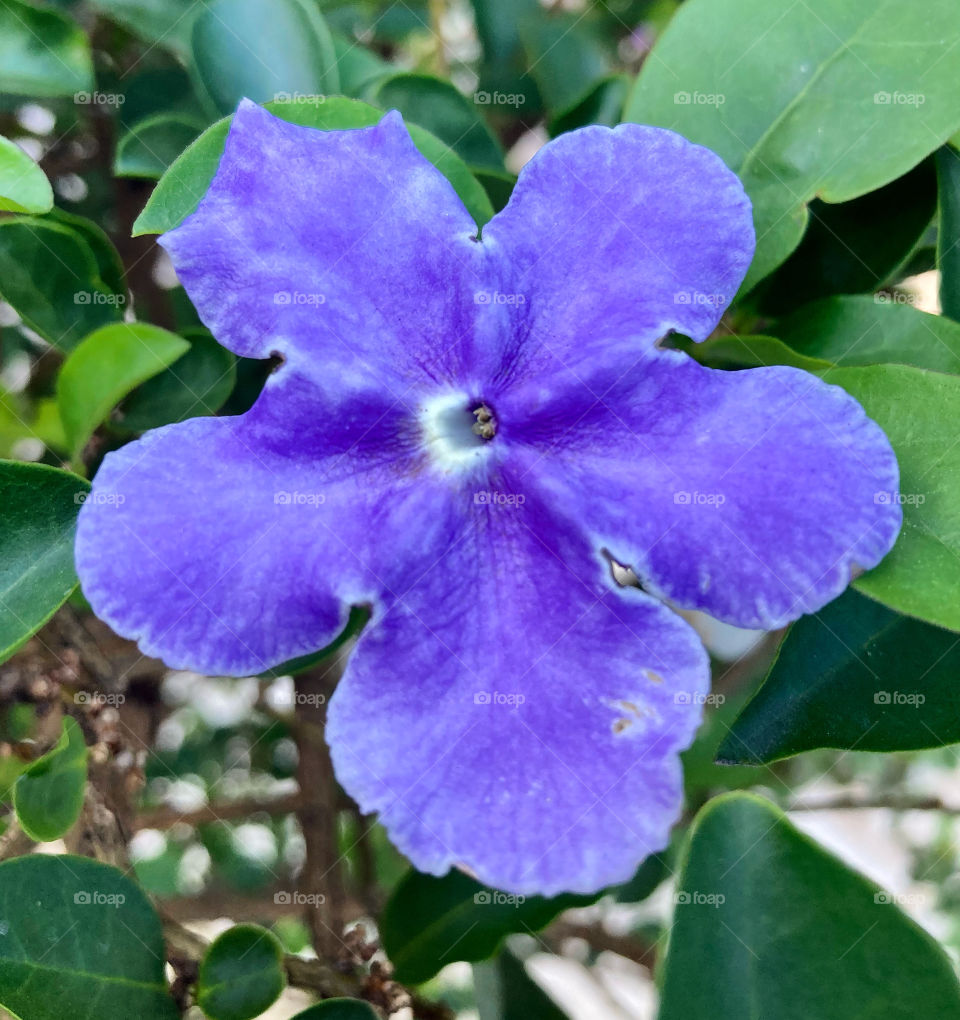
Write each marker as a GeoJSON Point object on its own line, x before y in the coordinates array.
{"type": "Point", "coordinates": [457, 431]}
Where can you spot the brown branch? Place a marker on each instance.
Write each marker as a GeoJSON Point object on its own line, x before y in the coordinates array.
{"type": "Point", "coordinates": [628, 946]}
{"type": "Point", "coordinates": [223, 811]}
{"type": "Point", "coordinates": [891, 801]}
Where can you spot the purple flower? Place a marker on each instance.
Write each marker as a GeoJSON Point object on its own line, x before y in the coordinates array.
{"type": "Point", "coordinates": [460, 433]}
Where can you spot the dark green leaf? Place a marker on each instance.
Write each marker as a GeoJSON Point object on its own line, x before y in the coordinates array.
{"type": "Point", "coordinates": [197, 383]}
{"type": "Point", "coordinates": [871, 330]}
{"type": "Point", "coordinates": [262, 50]}
{"type": "Point", "coordinates": [603, 104]}
{"type": "Point", "coordinates": [40, 507]}
{"type": "Point", "coordinates": [430, 922]}
{"type": "Point", "coordinates": [49, 273]}
{"type": "Point", "coordinates": [854, 247]}
{"type": "Point", "coordinates": [948, 234]}
{"type": "Point", "coordinates": [498, 186]}
{"type": "Point", "coordinates": [505, 991]}
{"type": "Point", "coordinates": [23, 185]}
{"type": "Point", "coordinates": [241, 974]}
{"type": "Point", "coordinates": [839, 682]}
{"type": "Point", "coordinates": [109, 264]}
{"type": "Point", "coordinates": [360, 70]}
{"type": "Point", "coordinates": [148, 148]}
{"type": "Point", "coordinates": [437, 106]}
{"type": "Point", "coordinates": [104, 368]}
{"type": "Point", "coordinates": [42, 52]}
{"type": "Point", "coordinates": [509, 88]}
{"type": "Point", "coordinates": [806, 103]}
{"type": "Point", "coordinates": [77, 933]}
{"type": "Point", "coordinates": [338, 1009]}
{"type": "Point", "coordinates": [180, 189]}
{"type": "Point", "coordinates": [563, 55]}
{"type": "Point", "coordinates": [166, 23]}
{"type": "Point", "coordinates": [768, 924]}
{"type": "Point", "coordinates": [48, 795]}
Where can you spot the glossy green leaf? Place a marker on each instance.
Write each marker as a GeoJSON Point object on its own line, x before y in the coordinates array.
{"type": "Point", "coordinates": [564, 56]}
{"type": "Point", "coordinates": [430, 922]}
{"type": "Point", "coordinates": [166, 23]}
{"type": "Point", "coordinates": [262, 50]}
{"type": "Point", "coordinates": [505, 991]}
{"type": "Point", "coordinates": [180, 189]}
{"type": "Point", "coordinates": [839, 681]}
{"type": "Point", "coordinates": [808, 101]}
{"type": "Point", "coordinates": [768, 924]}
{"type": "Point", "coordinates": [23, 185]}
{"type": "Point", "coordinates": [360, 69]}
{"type": "Point", "coordinates": [241, 974]}
{"type": "Point", "coordinates": [751, 351]}
{"type": "Point", "coordinates": [48, 795]}
{"type": "Point", "coordinates": [109, 264]}
{"type": "Point", "coordinates": [40, 507]}
{"type": "Point", "coordinates": [948, 233]}
{"type": "Point", "coordinates": [42, 52]}
{"type": "Point", "coordinates": [149, 147]}
{"type": "Point", "coordinates": [509, 88]}
{"type": "Point", "coordinates": [871, 330]}
{"type": "Point", "coordinates": [78, 933]}
{"type": "Point", "coordinates": [855, 247]}
{"type": "Point", "coordinates": [50, 275]}
{"type": "Point", "coordinates": [197, 383]}
{"type": "Point", "coordinates": [104, 368]}
{"type": "Point", "coordinates": [437, 106]}
{"type": "Point", "coordinates": [338, 1009]}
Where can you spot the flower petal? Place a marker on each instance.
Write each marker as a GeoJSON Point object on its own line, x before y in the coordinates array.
{"type": "Point", "coordinates": [227, 545]}
{"type": "Point", "coordinates": [629, 232]}
{"type": "Point", "coordinates": [750, 495]}
{"type": "Point", "coordinates": [535, 711]}
{"type": "Point", "coordinates": [334, 247]}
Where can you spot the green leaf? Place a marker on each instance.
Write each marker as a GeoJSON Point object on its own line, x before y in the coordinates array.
{"type": "Point", "coordinates": [166, 23]}
{"type": "Point", "coordinates": [505, 991]}
{"type": "Point", "coordinates": [40, 507]}
{"type": "Point", "coordinates": [854, 247]}
{"type": "Point", "coordinates": [360, 70]}
{"type": "Point", "coordinates": [179, 191]}
{"type": "Point", "coordinates": [807, 101]}
{"type": "Point", "coordinates": [563, 56]}
{"type": "Point", "coordinates": [24, 186]}
{"type": "Point", "coordinates": [42, 52]}
{"type": "Point", "coordinates": [48, 795]}
{"type": "Point", "coordinates": [149, 147]}
{"type": "Point", "coordinates": [77, 933]}
{"type": "Point", "coordinates": [104, 368]}
{"type": "Point", "coordinates": [871, 330]}
{"type": "Point", "coordinates": [437, 106]}
{"type": "Point", "coordinates": [241, 974]}
{"type": "Point", "coordinates": [338, 1009]}
{"type": "Point", "coordinates": [948, 233]}
{"type": "Point", "coordinates": [109, 264]}
{"type": "Point", "coordinates": [838, 681]}
{"type": "Point", "coordinates": [503, 73]}
{"type": "Point", "coordinates": [50, 275]}
{"type": "Point", "coordinates": [603, 104]}
{"type": "Point", "coordinates": [197, 383]}
{"type": "Point", "coordinates": [768, 924]}
{"type": "Point", "coordinates": [429, 922]}
{"type": "Point", "coordinates": [262, 50]}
